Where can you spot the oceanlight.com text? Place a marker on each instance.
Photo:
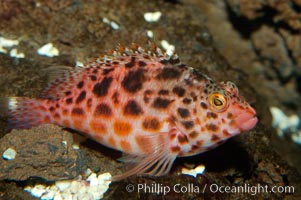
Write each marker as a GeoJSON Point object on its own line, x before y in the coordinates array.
{"type": "Point", "coordinates": [212, 188]}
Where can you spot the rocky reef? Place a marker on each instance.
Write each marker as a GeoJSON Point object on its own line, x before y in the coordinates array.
{"type": "Point", "coordinates": [255, 44]}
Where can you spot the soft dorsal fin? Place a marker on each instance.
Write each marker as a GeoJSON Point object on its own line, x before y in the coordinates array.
{"type": "Point", "coordinates": [61, 79]}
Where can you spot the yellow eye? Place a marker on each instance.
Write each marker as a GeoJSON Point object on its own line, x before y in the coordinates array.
{"type": "Point", "coordinates": [218, 102]}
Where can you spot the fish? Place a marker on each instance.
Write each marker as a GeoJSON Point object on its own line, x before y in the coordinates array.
{"type": "Point", "coordinates": [140, 101]}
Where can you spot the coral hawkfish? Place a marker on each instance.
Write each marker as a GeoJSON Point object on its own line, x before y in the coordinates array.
{"type": "Point", "coordinates": [142, 102]}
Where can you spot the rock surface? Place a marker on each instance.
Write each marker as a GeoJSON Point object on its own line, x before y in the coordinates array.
{"type": "Point", "coordinates": [44, 152]}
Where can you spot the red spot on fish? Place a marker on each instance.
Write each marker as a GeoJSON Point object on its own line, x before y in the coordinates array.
{"type": "Point", "coordinates": [122, 128]}
{"type": "Point", "coordinates": [126, 146]}
{"type": "Point", "coordinates": [98, 127]}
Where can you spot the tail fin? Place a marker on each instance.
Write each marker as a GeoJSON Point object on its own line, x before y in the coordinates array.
{"type": "Point", "coordinates": [23, 112]}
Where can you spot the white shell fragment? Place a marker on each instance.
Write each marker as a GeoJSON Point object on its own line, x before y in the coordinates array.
{"type": "Point", "coordinates": [9, 154]}
{"type": "Point", "coordinates": [169, 48]}
{"type": "Point", "coordinates": [62, 185]}
{"type": "Point", "coordinates": [297, 137]}
{"type": "Point", "coordinates": [284, 123]}
{"type": "Point", "coordinates": [92, 188]}
{"type": "Point", "coordinates": [37, 190]}
{"type": "Point", "coordinates": [7, 43]}
{"type": "Point", "coordinates": [64, 142]}
{"type": "Point", "coordinates": [152, 16]}
{"type": "Point", "coordinates": [194, 172]}
{"type": "Point", "coordinates": [75, 146]}
{"type": "Point", "coordinates": [4, 42]}
{"type": "Point", "coordinates": [15, 54]}
{"type": "Point", "coordinates": [48, 50]}
{"type": "Point", "coordinates": [113, 24]}
{"type": "Point", "coordinates": [149, 34]}
{"type": "Point", "coordinates": [79, 64]}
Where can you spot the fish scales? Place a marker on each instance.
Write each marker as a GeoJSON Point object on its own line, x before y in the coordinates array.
{"type": "Point", "coordinates": [141, 102]}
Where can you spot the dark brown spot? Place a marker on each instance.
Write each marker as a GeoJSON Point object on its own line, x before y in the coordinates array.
{"type": "Point", "coordinates": [80, 84]}
{"type": "Point", "coordinates": [226, 133]}
{"type": "Point", "coordinates": [57, 105]}
{"type": "Point", "coordinates": [169, 73]}
{"type": "Point", "coordinates": [57, 116]}
{"type": "Point", "coordinates": [94, 71]}
{"type": "Point", "coordinates": [89, 103]}
{"type": "Point", "coordinates": [67, 93]}
{"type": "Point", "coordinates": [147, 95]}
{"type": "Point", "coordinates": [51, 109]}
{"type": "Point", "coordinates": [188, 124]}
{"type": "Point", "coordinates": [164, 61]}
{"type": "Point", "coordinates": [141, 63]}
{"type": "Point", "coordinates": [172, 136]}
{"type": "Point", "coordinates": [81, 97]}
{"type": "Point", "coordinates": [161, 103]}
{"type": "Point", "coordinates": [115, 97]}
{"type": "Point", "coordinates": [163, 92]}
{"type": "Point", "coordinates": [198, 75]}
{"type": "Point", "coordinates": [215, 138]}
{"type": "Point", "coordinates": [182, 66]}
{"type": "Point", "coordinates": [187, 101]}
{"type": "Point", "coordinates": [115, 62]}
{"type": "Point", "coordinates": [183, 112]}
{"type": "Point", "coordinates": [146, 56]}
{"type": "Point", "coordinates": [69, 100]}
{"type": "Point", "coordinates": [204, 105]}
{"type": "Point", "coordinates": [65, 112]}
{"type": "Point", "coordinates": [182, 139]}
{"type": "Point", "coordinates": [78, 111]}
{"type": "Point", "coordinates": [179, 91]}
{"type": "Point", "coordinates": [133, 81]}
{"type": "Point", "coordinates": [200, 143]}
{"type": "Point", "coordinates": [194, 111]}
{"type": "Point", "coordinates": [107, 71]}
{"type": "Point", "coordinates": [151, 123]}
{"type": "Point", "coordinates": [193, 134]}
{"type": "Point", "coordinates": [211, 115]}
{"type": "Point", "coordinates": [175, 149]}
{"type": "Point", "coordinates": [102, 88]}
{"type": "Point", "coordinates": [102, 110]}
{"type": "Point", "coordinates": [229, 116]}
{"type": "Point", "coordinates": [132, 108]}
{"type": "Point", "coordinates": [172, 120]}
{"type": "Point", "coordinates": [211, 127]}
{"type": "Point", "coordinates": [194, 96]}
{"type": "Point", "coordinates": [194, 147]}
{"type": "Point", "coordinates": [130, 64]}
{"type": "Point", "coordinates": [93, 78]}
{"type": "Point", "coordinates": [174, 61]}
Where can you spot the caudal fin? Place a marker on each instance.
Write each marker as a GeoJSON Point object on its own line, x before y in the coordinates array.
{"type": "Point", "coordinates": [23, 112]}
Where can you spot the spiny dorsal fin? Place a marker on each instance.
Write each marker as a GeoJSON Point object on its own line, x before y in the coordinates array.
{"type": "Point", "coordinates": [152, 50]}
{"type": "Point", "coordinates": [63, 79]}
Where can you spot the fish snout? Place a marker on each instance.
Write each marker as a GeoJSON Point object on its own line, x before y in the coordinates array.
{"type": "Point", "coordinates": [247, 119]}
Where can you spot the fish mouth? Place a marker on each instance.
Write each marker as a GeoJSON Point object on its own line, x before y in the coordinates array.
{"type": "Point", "coordinates": [247, 120]}
{"type": "Point", "coordinates": [249, 124]}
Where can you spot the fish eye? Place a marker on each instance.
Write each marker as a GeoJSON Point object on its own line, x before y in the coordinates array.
{"type": "Point", "coordinates": [218, 102]}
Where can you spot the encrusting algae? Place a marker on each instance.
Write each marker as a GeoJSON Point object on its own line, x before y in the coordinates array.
{"type": "Point", "coordinates": [139, 101]}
